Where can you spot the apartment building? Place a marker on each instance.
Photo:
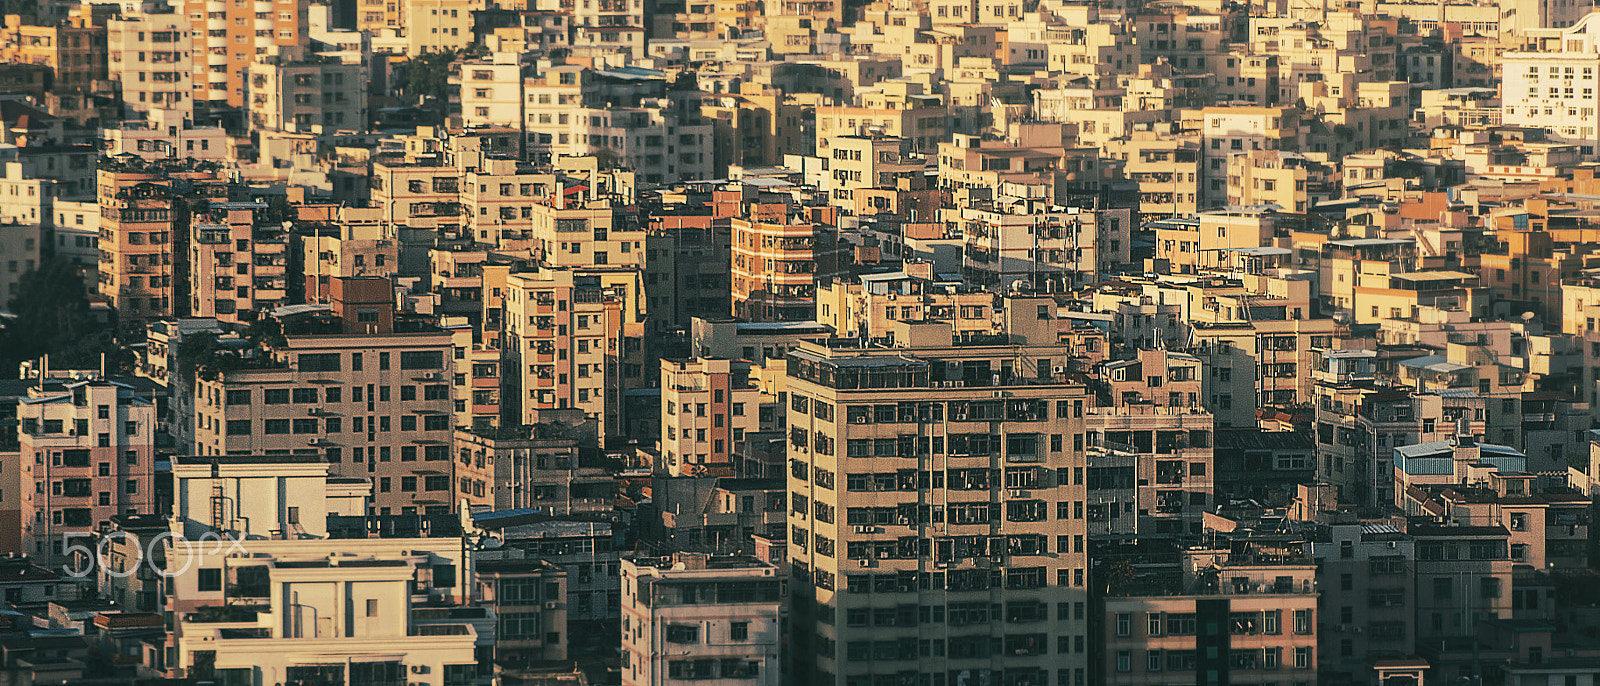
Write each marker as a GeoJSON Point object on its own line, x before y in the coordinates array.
{"type": "Point", "coordinates": [143, 261]}
{"type": "Point", "coordinates": [571, 343]}
{"type": "Point", "coordinates": [869, 305]}
{"type": "Point", "coordinates": [152, 57]}
{"type": "Point", "coordinates": [1150, 470]}
{"type": "Point", "coordinates": [529, 602]}
{"type": "Point", "coordinates": [307, 95]}
{"type": "Point", "coordinates": [552, 466]}
{"type": "Point", "coordinates": [589, 551]}
{"type": "Point", "coordinates": [352, 245]}
{"type": "Point", "coordinates": [1549, 83]}
{"type": "Point", "coordinates": [707, 407]}
{"type": "Point", "coordinates": [73, 48]}
{"type": "Point", "coordinates": [88, 454]}
{"type": "Point", "coordinates": [610, 26]}
{"type": "Point", "coordinates": [1227, 131]}
{"type": "Point", "coordinates": [309, 598]}
{"type": "Point", "coordinates": [780, 253]}
{"type": "Point", "coordinates": [238, 265]}
{"type": "Point", "coordinates": [236, 35]}
{"type": "Point", "coordinates": [491, 91]}
{"type": "Point", "coordinates": [987, 475]}
{"type": "Point", "coordinates": [166, 133]}
{"type": "Point", "coordinates": [687, 259]}
{"type": "Point", "coordinates": [371, 395]}
{"type": "Point", "coordinates": [1367, 575]}
{"type": "Point", "coordinates": [1167, 169]}
{"type": "Point", "coordinates": [692, 616]}
{"type": "Point", "coordinates": [1252, 617]}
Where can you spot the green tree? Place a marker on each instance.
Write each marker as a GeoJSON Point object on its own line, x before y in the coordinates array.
{"type": "Point", "coordinates": [53, 317]}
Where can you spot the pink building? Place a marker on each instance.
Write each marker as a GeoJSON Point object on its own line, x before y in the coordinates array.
{"type": "Point", "coordinates": [92, 450]}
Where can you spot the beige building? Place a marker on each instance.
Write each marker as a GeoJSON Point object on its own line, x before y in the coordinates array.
{"type": "Point", "coordinates": [575, 342]}
{"type": "Point", "coordinates": [140, 259]}
{"type": "Point", "coordinates": [690, 616]}
{"type": "Point", "coordinates": [437, 25]}
{"type": "Point", "coordinates": [152, 57]}
{"type": "Point", "coordinates": [1007, 526]}
{"type": "Point", "coordinates": [707, 407]}
{"type": "Point", "coordinates": [238, 267]}
{"type": "Point", "coordinates": [308, 96]}
{"type": "Point", "coordinates": [89, 453]}
{"type": "Point", "coordinates": [1264, 606]}
{"type": "Point", "coordinates": [229, 38]}
{"type": "Point", "coordinates": [373, 400]}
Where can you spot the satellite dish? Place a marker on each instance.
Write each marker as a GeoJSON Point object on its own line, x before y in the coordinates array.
{"type": "Point", "coordinates": [1341, 318]}
{"type": "Point", "coordinates": [1528, 316]}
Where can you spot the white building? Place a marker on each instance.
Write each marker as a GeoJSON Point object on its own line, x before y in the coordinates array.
{"type": "Point", "coordinates": [710, 619]}
{"type": "Point", "coordinates": [1550, 83]}
{"type": "Point", "coordinates": [491, 91]}
{"type": "Point", "coordinates": [152, 57]}
{"type": "Point", "coordinates": [166, 133]}
{"type": "Point", "coordinates": [707, 407]}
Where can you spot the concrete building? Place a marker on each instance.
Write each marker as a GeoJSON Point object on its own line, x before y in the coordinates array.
{"type": "Point", "coordinates": [372, 396]}
{"type": "Point", "coordinates": [166, 133]}
{"type": "Point", "coordinates": [1566, 60]}
{"type": "Point", "coordinates": [90, 454]}
{"type": "Point", "coordinates": [552, 466]}
{"type": "Point", "coordinates": [1248, 615]}
{"type": "Point", "coordinates": [853, 411]}
{"type": "Point", "coordinates": [1150, 470]}
{"type": "Point", "coordinates": [235, 36]}
{"type": "Point", "coordinates": [298, 95]}
{"type": "Point", "coordinates": [143, 258]}
{"type": "Point", "coordinates": [707, 407]}
{"type": "Point", "coordinates": [695, 616]}
{"type": "Point", "coordinates": [238, 264]}
{"type": "Point", "coordinates": [151, 56]}
{"type": "Point", "coordinates": [780, 254]}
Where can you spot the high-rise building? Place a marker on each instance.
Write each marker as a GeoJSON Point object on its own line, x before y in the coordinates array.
{"type": "Point", "coordinates": [708, 406]}
{"type": "Point", "coordinates": [936, 511]}
{"type": "Point", "coordinates": [238, 264]}
{"type": "Point", "coordinates": [234, 35]}
{"type": "Point", "coordinates": [152, 57]}
{"type": "Point", "coordinates": [573, 341]}
{"type": "Point", "coordinates": [371, 394]}
{"type": "Point", "coordinates": [89, 452]}
{"type": "Point", "coordinates": [144, 236]}
{"type": "Point", "coordinates": [781, 250]}
{"type": "Point", "coordinates": [695, 616]}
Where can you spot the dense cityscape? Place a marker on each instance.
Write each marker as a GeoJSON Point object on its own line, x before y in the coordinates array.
{"type": "Point", "coordinates": [799, 342]}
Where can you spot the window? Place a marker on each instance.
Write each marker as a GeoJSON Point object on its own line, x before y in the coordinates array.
{"type": "Point", "coordinates": [209, 580]}
{"type": "Point", "coordinates": [1124, 624]}
{"type": "Point", "coordinates": [739, 631]}
{"type": "Point", "coordinates": [1302, 621]}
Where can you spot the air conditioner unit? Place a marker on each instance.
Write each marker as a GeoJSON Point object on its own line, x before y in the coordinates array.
{"type": "Point", "coordinates": [431, 376]}
{"type": "Point", "coordinates": [864, 563]}
{"type": "Point", "coordinates": [1060, 370]}
{"type": "Point", "coordinates": [1392, 544]}
{"type": "Point", "coordinates": [313, 410]}
{"type": "Point", "coordinates": [551, 605]}
{"type": "Point", "coordinates": [419, 669]}
{"type": "Point", "coordinates": [866, 529]}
